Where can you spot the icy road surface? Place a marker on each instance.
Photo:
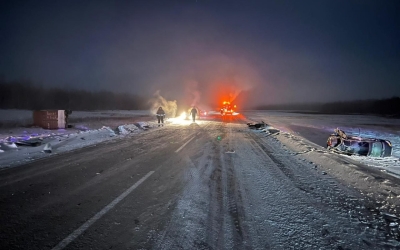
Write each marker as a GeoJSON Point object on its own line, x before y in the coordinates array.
{"type": "Point", "coordinates": [214, 184]}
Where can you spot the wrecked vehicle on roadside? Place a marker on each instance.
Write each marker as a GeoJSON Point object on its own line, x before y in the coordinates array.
{"type": "Point", "coordinates": [355, 145]}
{"type": "Point", "coordinates": [256, 125]}
{"type": "Point", "coordinates": [262, 126]}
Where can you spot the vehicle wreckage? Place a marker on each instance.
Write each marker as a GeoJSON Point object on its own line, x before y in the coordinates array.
{"type": "Point", "coordinates": [260, 125]}
{"type": "Point", "coordinates": [264, 127]}
{"type": "Point", "coordinates": [342, 143]}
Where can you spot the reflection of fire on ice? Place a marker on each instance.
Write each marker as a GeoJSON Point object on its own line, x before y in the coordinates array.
{"type": "Point", "coordinates": [183, 116]}
{"type": "Point", "coordinates": [182, 119]}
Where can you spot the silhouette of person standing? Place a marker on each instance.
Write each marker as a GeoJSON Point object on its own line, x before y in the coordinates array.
{"type": "Point", "coordinates": [160, 116]}
{"type": "Point", "coordinates": [193, 112]}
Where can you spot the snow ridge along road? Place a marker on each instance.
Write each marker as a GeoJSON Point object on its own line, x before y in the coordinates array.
{"type": "Point", "coordinates": [213, 184]}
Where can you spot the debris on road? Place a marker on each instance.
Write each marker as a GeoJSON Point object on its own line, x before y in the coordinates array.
{"type": "Point", "coordinates": [47, 148]}
{"type": "Point", "coordinates": [127, 129]}
{"type": "Point", "coordinates": [268, 129]}
{"type": "Point", "coordinates": [143, 125]}
{"type": "Point", "coordinates": [256, 125]}
{"type": "Point", "coordinates": [31, 143]}
{"type": "Point", "coordinates": [8, 146]}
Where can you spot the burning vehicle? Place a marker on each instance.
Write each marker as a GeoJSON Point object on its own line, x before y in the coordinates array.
{"type": "Point", "coordinates": [227, 108]}
{"type": "Point", "coordinates": [340, 142]}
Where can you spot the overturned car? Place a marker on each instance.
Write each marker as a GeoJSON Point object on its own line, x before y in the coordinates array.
{"type": "Point", "coordinates": [355, 145]}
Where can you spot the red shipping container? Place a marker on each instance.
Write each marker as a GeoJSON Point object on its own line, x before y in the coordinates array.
{"type": "Point", "coordinates": [49, 119]}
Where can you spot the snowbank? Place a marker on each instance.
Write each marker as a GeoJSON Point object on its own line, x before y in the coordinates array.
{"type": "Point", "coordinates": [19, 144]}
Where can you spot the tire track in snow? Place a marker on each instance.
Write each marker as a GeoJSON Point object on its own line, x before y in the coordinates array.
{"type": "Point", "coordinates": [188, 227]}
{"type": "Point", "coordinates": [209, 213]}
{"type": "Point", "coordinates": [232, 231]}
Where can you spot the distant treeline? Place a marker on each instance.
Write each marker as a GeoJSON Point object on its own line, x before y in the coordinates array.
{"type": "Point", "coordinates": [389, 107]}
{"type": "Point", "coordinates": [17, 95]}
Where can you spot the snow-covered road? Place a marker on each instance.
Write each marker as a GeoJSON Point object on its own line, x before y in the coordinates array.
{"type": "Point", "coordinates": [252, 192]}
{"type": "Point", "coordinates": [214, 184]}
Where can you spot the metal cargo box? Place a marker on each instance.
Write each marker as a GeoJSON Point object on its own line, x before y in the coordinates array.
{"type": "Point", "coordinates": [49, 119]}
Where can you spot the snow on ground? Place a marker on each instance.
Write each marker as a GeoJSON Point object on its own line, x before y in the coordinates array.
{"type": "Point", "coordinates": [93, 127]}
{"type": "Point", "coordinates": [89, 128]}
{"type": "Point", "coordinates": [314, 129]}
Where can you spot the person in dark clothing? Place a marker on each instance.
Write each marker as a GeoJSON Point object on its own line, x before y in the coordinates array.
{"type": "Point", "coordinates": [160, 116]}
{"type": "Point", "coordinates": [193, 112]}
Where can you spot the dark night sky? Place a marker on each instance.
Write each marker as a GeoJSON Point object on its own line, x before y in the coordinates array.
{"type": "Point", "coordinates": [273, 51]}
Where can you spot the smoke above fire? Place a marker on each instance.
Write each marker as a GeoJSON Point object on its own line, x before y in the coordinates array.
{"type": "Point", "coordinates": [206, 82]}
{"type": "Point", "coordinates": [192, 92]}
{"type": "Point", "coordinates": [217, 79]}
{"type": "Point", "coordinates": [170, 107]}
